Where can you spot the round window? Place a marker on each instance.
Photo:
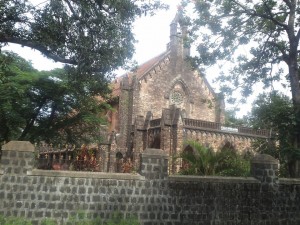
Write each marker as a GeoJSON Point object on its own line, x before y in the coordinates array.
{"type": "Point", "coordinates": [176, 98]}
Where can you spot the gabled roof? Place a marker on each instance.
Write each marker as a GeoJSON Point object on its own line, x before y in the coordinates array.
{"type": "Point", "coordinates": [139, 73]}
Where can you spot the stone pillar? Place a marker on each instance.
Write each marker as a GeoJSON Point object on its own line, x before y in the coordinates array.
{"type": "Point", "coordinates": [140, 132]}
{"type": "Point", "coordinates": [17, 157]}
{"type": "Point", "coordinates": [125, 114]}
{"type": "Point", "coordinates": [297, 169]}
{"type": "Point", "coordinates": [154, 164]}
{"type": "Point", "coordinates": [265, 168]}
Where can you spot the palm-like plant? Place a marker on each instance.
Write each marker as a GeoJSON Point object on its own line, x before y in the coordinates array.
{"type": "Point", "coordinates": [203, 161]}
{"type": "Point", "coordinates": [200, 160]}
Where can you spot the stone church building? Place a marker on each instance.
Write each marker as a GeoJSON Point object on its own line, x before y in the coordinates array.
{"type": "Point", "coordinates": [165, 103]}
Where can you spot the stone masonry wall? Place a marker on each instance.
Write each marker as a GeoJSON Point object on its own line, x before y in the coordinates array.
{"type": "Point", "coordinates": [154, 197]}
{"type": "Point", "coordinates": [241, 143]}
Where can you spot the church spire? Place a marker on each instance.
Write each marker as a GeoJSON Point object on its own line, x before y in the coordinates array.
{"type": "Point", "coordinates": [178, 36]}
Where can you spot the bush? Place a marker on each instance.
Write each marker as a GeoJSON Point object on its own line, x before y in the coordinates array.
{"type": "Point", "coordinates": [204, 161]}
{"type": "Point", "coordinates": [233, 164]}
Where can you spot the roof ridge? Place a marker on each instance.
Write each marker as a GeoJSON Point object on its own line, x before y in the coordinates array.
{"type": "Point", "coordinates": [163, 56]}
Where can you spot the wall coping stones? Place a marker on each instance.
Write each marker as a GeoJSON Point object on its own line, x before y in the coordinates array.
{"type": "Point", "coordinates": [212, 179]}
{"type": "Point", "coordinates": [84, 174]}
{"type": "Point", "coordinates": [153, 153]}
{"type": "Point", "coordinates": [289, 180]}
{"type": "Point", "coordinates": [20, 146]}
{"type": "Point", "coordinates": [264, 158]}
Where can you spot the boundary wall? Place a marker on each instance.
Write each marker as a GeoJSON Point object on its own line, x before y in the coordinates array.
{"type": "Point", "coordinates": [153, 196]}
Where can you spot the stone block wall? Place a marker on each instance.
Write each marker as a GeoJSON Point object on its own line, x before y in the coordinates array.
{"type": "Point", "coordinates": [153, 197]}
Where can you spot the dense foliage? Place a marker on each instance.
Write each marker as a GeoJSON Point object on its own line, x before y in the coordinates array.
{"type": "Point", "coordinates": [92, 37]}
{"type": "Point", "coordinates": [231, 119]}
{"type": "Point", "coordinates": [46, 106]}
{"type": "Point", "coordinates": [275, 112]}
{"type": "Point", "coordinates": [205, 161]}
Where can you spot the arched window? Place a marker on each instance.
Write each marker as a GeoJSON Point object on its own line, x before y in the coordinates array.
{"type": "Point", "coordinates": [156, 142]}
{"type": "Point", "coordinates": [119, 162]}
{"type": "Point", "coordinates": [228, 146]}
{"type": "Point", "coordinates": [183, 113]}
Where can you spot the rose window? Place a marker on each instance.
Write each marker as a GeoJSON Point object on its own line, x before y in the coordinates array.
{"type": "Point", "coordinates": [176, 97]}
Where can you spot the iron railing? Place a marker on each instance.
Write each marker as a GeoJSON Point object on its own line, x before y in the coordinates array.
{"type": "Point", "coordinates": [77, 159]}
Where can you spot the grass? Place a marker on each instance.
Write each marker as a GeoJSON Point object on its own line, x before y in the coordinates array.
{"type": "Point", "coordinates": [79, 219]}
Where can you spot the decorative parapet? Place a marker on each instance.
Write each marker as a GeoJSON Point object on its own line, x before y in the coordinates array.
{"type": "Point", "coordinates": [218, 127]}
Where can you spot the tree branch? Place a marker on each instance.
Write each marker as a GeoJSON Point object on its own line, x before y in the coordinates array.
{"type": "Point", "coordinates": [40, 48]}
{"type": "Point", "coordinates": [288, 3]}
{"type": "Point", "coordinates": [72, 9]}
{"type": "Point", "coordinates": [254, 13]}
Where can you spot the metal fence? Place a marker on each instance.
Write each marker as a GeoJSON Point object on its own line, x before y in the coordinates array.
{"type": "Point", "coordinates": [78, 159]}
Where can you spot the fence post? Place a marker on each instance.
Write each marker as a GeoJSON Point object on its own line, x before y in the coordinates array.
{"type": "Point", "coordinates": [297, 175]}
{"type": "Point", "coordinates": [17, 157]}
{"type": "Point", "coordinates": [265, 168]}
{"type": "Point", "coordinates": [154, 164]}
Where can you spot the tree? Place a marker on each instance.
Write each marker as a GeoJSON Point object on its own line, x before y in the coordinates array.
{"type": "Point", "coordinates": [269, 29]}
{"type": "Point", "coordinates": [232, 120]}
{"type": "Point", "coordinates": [275, 112]}
{"type": "Point", "coordinates": [94, 37]}
{"type": "Point", "coordinates": [46, 106]}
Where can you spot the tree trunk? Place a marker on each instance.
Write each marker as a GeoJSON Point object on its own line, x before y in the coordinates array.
{"type": "Point", "coordinates": [295, 88]}
{"type": "Point", "coordinates": [32, 120]}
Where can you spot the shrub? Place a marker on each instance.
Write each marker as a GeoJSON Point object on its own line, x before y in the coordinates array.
{"type": "Point", "coordinates": [204, 161]}
{"type": "Point", "coordinates": [201, 161]}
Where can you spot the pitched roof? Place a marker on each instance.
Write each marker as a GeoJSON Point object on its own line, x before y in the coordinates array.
{"type": "Point", "coordinates": [138, 73]}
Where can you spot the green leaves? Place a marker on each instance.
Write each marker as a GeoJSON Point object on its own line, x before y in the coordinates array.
{"type": "Point", "coordinates": [92, 37]}
{"type": "Point", "coordinates": [276, 113]}
{"type": "Point", "coordinates": [200, 160]}
{"type": "Point", "coordinates": [254, 35]}
{"type": "Point", "coordinates": [47, 106]}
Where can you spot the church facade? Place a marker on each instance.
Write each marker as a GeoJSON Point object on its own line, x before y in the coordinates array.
{"type": "Point", "coordinates": [165, 103]}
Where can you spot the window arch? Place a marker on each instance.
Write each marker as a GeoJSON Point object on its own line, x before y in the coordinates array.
{"type": "Point", "coordinates": [119, 162]}
{"type": "Point", "coordinates": [228, 146]}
